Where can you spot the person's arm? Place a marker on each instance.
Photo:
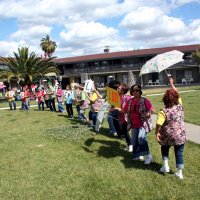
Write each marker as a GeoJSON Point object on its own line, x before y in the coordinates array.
{"type": "Point", "coordinates": [158, 136]}
{"type": "Point", "coordinates": [149, 107]}
{"type": "Point", "coordinates": [98, 94]}
{"type": "Point", "coordinates": [88, 96]}
{"type": "Point", "coordinates": [160, 121]}
{"type": "Point", "coordinates": [171, 81]}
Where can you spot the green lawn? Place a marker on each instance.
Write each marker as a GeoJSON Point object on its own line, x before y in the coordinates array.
{"type": "Point", "coordinates": [190, 101]}
{"type": "Point", "coordinates": [45, 155]}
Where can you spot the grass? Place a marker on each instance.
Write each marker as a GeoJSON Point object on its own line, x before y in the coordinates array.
{"type": "Point", "coordinates": [45, 155]}
{"type": "Point", "coordinates": [190, 101]}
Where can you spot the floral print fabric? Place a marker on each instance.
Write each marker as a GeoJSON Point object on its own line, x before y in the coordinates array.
{"type": "Point", "coordinates": [173, 130]}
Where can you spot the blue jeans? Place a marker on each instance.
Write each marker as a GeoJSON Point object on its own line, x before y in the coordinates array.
{"type": "Point", "coordinates": [178, 149]}
{"type": "Point", "coordinates": [110, 123]}
{"type": "Point", "coordinates": [25, 105]}
{"type": "Point", "coordinates": [60, 107]}
{"type": "Point", "coordinates": [139, 142]}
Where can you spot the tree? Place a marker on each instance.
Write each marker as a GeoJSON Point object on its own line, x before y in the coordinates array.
{"type": "Point", "coordinates": [48, 46]}
{"type": "Point", "coordinates": [27, 67]}
{"type": "Point", "coordinates": [196, 56]}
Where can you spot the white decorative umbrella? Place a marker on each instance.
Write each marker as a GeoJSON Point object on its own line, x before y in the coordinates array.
{"type": "Point", "coordinates": [162, 62]}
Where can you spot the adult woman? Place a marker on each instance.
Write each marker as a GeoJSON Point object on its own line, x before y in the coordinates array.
{"type": "Point", "coordinates": [40, 98]}
{"type": "Point", "coordinates": [96, 101]}
{"type": "Point", "coordinates": [10, 95]}
{"type": "Point", "coordinates": [121, 124]}
{"type": "Point", "coordinates": [139, 110]}
{"type": "Point", "coordinates": [170, 130]}
{"type": "Point", "coordinates": [51, 92]}
{"type": "Point", "coordinates": [59, 95]}
{"type": "Point", "coordinates": [76, 97]}
{"type": "Point", "coordinates": [69, 101]}
{"type": "Point", "coordinates": [113, 113]}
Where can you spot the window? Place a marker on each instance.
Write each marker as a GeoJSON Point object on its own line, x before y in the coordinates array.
{"type": "Point", "coordinates": [188, 74]}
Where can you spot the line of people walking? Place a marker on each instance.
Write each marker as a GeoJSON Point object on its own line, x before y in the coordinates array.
{"type": "Point", "coordinates": [133, 116]}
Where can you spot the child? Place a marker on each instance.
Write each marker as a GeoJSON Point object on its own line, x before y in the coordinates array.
{"type": "Point", "coordinates": [59, 95]}
{"type": "Point", "coordinates": [69, 101]}
{"type": "Point", "coordinates": [10, 95]}
{"type": "Point", "coordinates": [40, 98]}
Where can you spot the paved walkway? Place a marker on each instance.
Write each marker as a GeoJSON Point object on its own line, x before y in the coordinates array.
{"type": "Point", "coordinates": [193, 131]}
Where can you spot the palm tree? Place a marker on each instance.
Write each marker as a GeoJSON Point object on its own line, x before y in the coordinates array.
{"type": "Point", "coordinates": [48, 46]}
{"type": "Point", "coordinates": [27, 67]}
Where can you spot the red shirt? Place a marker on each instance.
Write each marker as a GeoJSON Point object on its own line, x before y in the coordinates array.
{"type": "Point", "coordinates": [40, 96]}
{"type": "Point", "coordinates": [134, 111]}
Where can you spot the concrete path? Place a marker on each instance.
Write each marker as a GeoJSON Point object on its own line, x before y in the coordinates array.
{"type": "Point", "coordinates": [193, 131]}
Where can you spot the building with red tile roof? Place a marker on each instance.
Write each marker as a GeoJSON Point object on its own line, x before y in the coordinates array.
{"type": "Point", "coordinates": [99, 67]}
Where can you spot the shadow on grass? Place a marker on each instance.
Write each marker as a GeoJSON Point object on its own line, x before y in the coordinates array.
{"type": "Point", "coordinates": [110, 149]}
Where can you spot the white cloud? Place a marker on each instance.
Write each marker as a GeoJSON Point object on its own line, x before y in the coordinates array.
{"type": "Point", "coordinates": [90, 37]}
{"type": "Point", "coordinates": [7, 48]}
{"type": "Point", "coordinates": [87, 26]}
{"type": "Point", "coordinates": [149, 26]}
{"type": "Point", "coordinates": [178, 3]}
{"type": "Point", "coordinates": [33, 32]}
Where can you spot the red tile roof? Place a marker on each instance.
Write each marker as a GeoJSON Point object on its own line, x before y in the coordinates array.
{"type": "Point", "coordinates": [121, 54]}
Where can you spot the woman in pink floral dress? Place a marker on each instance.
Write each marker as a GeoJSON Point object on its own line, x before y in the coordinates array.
{"type": "Point", "coordinates": [170, 129]}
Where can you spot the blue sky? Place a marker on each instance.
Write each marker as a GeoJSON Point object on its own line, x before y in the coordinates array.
{"type": "Point", "coordinates": [85, 27]}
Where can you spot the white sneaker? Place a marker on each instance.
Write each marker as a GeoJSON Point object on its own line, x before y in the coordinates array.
{"type": "Point", "coordinates": [164, 169]}
{"type": "Point", "coordinates": [130, 148]}
{"type": "Point", "coordinates": [179, 175]}
{"type": "Point", "coordinates": [114, 134]}
{"type": "Point", "coordinates": [148, 159]}
{"type": "Point", "coordinates": [140, 158]}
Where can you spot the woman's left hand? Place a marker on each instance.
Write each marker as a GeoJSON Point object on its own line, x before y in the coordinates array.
{"type": "Point", "coordinates": [158, 137]}
{"type": "Point", "coordinates": [148, 115]}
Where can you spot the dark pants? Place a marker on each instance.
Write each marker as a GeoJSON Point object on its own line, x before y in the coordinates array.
{"type": "Point", "coordinates": [178, 149]}
{"type": "Point", "coordinates": [116, 124]}
{"type": "Point", "coordinates": [41, 104]}
{"type": "Point", "coordinates": [90, 115]}
{"type": "Point", "coordinates": [12, 104]}
{"type": "Point", "coordinates": [123, 128]}
{"type": "Point", "coordinates": [94, 118]}
{"type": "Point", "coordinates": [69, 110]}
{"type": "Point", "coordinates": [78, 111]}
{"type": "Point", "coordinates": [47, 103]}
{"type": "Point", "coordinates": [52, 105]}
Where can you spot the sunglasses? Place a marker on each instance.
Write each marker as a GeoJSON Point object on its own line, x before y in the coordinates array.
{"type": "Point", "coordinates": [135, 90]}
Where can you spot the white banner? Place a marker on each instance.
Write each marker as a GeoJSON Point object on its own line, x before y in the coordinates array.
{"type": "Point", "coordinates": [89, 86]}
{"type": "Point", "coordinates": [101, 115]}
